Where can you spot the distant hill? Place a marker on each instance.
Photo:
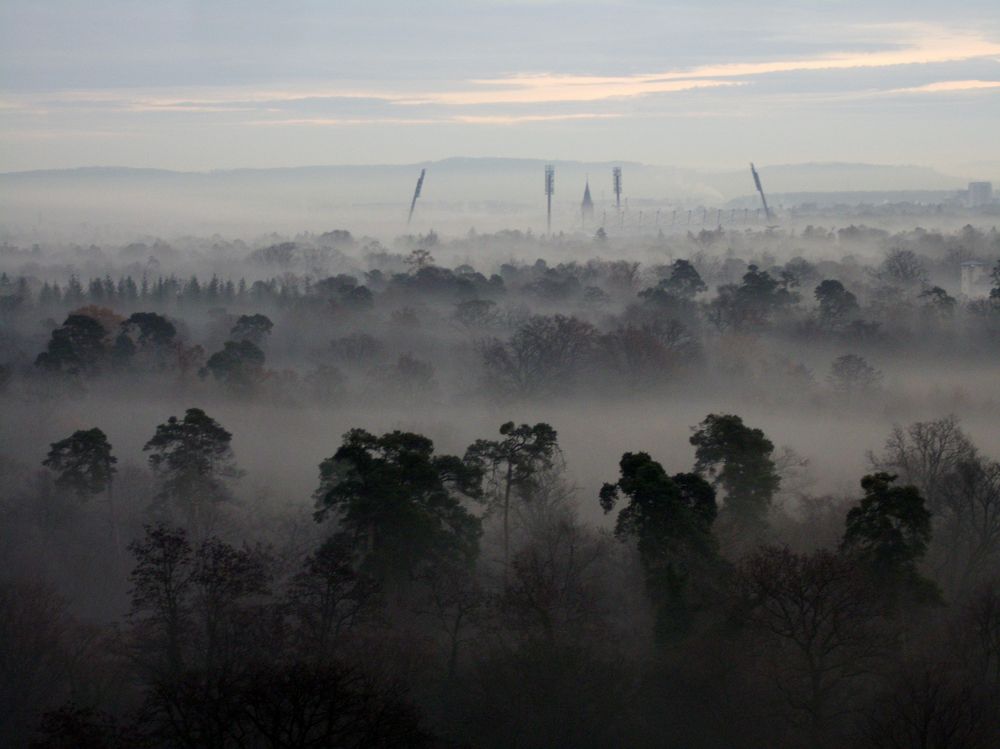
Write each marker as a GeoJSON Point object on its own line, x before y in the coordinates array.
{"type": "Point", "coordinates": [458, 193]}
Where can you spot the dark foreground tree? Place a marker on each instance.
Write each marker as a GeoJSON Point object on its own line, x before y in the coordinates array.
{"type": "Point", "coordinates": [512, 465]}
{"type": "Point", "coordinates": [819, 634]}
{"type": "Point", "coordinates": [193, 462]}
{"type": "Point", "coordinates": [738, 459]}
{"type": "Point", "coordinates": [195, 607]}
{"type": "Point", "coordinates": [84, 465]}
{"type": "Point", "coordinates": [889, 532]}
{"type": "Point", "coordinates": [399, 502]}
{"type": "Point", "coordinates": [671, 521]}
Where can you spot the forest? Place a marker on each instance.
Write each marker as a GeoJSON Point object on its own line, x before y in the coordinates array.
{"type": "Point", "coordinates": [732, 488]}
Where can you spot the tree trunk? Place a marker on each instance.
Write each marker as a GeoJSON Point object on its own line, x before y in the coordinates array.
{"type": "Point", "coordinates": [506, 522]}
{"type": "Point", "coordinates": [114, 525]}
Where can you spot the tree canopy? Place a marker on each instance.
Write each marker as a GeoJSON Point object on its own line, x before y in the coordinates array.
{"type": "Point", "coordinates": [83, 462]}
{"type": "Point", "coordinates": [193, 461]}
{"type": "Point", "coordinates": [671, 519]}
{"type": "Point", "coordinates": [737, 458]}
{"type": "Point", "coordinates": [399, 501]}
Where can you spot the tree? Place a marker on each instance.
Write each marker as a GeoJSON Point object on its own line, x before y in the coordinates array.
{"type": "Point", "coordinates": [902, 268]}
{"type": "Point", "coordinates": [399, 502]}
{"type": "Point", "coordinates": [938, 303]}
{"type": "Point", "coordinates": [193, 462]}
{"type": "Point", "coordinates": [995, 277]}
{"type": "Point", "coordinates": [674, 295]}
{"type": "Point", "coordinates": [34, 656]}
{"type": "Point", "coordinates": [889, 531]}
{"type": "Point", "coordinates": [150, 329]}
{"type": "Point", "coordinates": [738, 459]}
{"type": "Point", "coordinates": [75, 727]}
{"type": "Point", "coordinates": [476, 314]}
{"type": "Point", "coordinates": [410, 377]}
{"type": "Point", "coordinates": [217, 674]}
{"type": "Point", "coordinates": [851, 374]}
{"type": "Point", "coordinates": [77, 347]}
{"type": "Point", "coordinates": [820, 630]}
{"type": "Point", "coordinates": [752, 304]}
{"type": "Point", "coordinates": [544, 355]}
{"type": "Point", "coordinates": [931, 706]}
{"type": "Point", "coordinates": [651, 353]}
{"type": "Point", "coordinates": [147, 334]}
{"type": "Point", "coordinates": [328, 596]}
{"type": "Point", "coordinates": [296, 705]}
{"type": "Point", "coordinates": [671, 521]}
{"type": "Point", "coordinates": [194, 606]}
{"type": "Point", "coordinates": [923, 454]}
{"type": "Point", "coordinates": [962, 491]}
{"type": "Point", "coordinates": [967, 525]}
{"type": "Point", "coordinates": [512, 465]}
{"type": "Point", "coordinates": [453, 597]}
{"type": "Point", "coordinates": [837, 306]}
{"type": "Point", "coordinates": [238, 365]}
{"type": "Point", "coordinates": [161, 583]}
{"type": "Point", "coordinates": [419, 259]}
{"type": "Point", "coordinates": [83, 464]}
{"type": "Point", "coordinates": [684, 280]}
{"type": "Point", "coordinates": [253, 328]}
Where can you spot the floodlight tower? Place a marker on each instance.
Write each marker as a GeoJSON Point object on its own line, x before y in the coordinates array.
{"type": "Point", "coordinates": [760, 189]}
{"type": "Point", "coordinates": [416, 194]}
{"type": "Point", "coordinates": [550, 188]}
{"type": "Point", "coordinates": [616, 179]}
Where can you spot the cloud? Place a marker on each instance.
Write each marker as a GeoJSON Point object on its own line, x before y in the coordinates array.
{"type": "Point", "coordinates": [560, 89]}
{"type": "Point", "coordinates": [948, 87]}
{"type": "Point", "coordinates": [344, 121]}
{"type": "Point", "coordinates": [498, 119]}
{"type": "Point", "coordinates": [921, 45]}
{"type": "Point", "coordinates": [518, 119]}
{"type": "Point", "coordinates": [463, 101]}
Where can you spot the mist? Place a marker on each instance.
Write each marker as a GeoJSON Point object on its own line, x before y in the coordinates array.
{"type": "Point", "coordinates": [499, 375]}
{"type": "Point", "coordinates": [847, 347]}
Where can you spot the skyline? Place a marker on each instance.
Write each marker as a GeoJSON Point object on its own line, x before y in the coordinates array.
{"type": "Point", "coordinates": [185, 87]}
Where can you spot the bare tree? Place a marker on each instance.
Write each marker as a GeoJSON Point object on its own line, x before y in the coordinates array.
{"type": "Point", "coordinates": [962, 489]}
{"type": "Point", "coordinates": [924, 453]}
{"type": "Point", "coordinates": [820, 627]}
{"type": "Point", "coordinates": [544, 355]}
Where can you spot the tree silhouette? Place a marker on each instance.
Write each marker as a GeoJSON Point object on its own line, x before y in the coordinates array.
{"type": "Point", "coordinates": [238, 365]}
{"type": "Point", "coordinates": [253, 328]}
{"type": "Point", "coordinates": [512, 464]}
{"type": "Point", "coordinates": [76, 347]}
{"type": "Point", "coordinates": [399, 502]}
{"type": "Point", "coordinates": [889, 531]}
{"type": "Point", "coordinates": [84, 465]}
{"type": "Point", "coordinates": [738, 459]}
{"type": "Point", "coordinates": [671, 521]}
{"type": "Point", "coordinates": [193, 462]}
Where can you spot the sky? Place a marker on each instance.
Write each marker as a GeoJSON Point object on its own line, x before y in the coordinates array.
{"type": "Point", "coordinates": [212, 84]}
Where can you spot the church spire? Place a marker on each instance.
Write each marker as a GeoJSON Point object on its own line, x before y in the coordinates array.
{"type": "Point", "coordinates": [587, 206]}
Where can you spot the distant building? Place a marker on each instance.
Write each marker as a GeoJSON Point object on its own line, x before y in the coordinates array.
{"type": "Point", "coordinates": [980, 193]}
{"type": "Point", "coordinates": [587, 206]}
